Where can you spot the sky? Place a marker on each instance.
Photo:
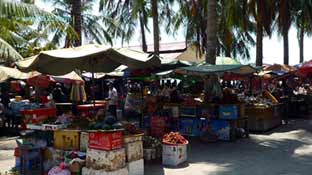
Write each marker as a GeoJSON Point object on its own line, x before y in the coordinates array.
{"type": "Point", "coordinates": [272, 47]}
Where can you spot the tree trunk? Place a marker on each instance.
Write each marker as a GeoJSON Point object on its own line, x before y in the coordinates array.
{"type": "Point", "coordinates": [259, 51]}
{"type": "Point", "coordinates": [211, 32]}
{"type": "Point", "coordinates": [144, 45]}
{"type": "Point", "coordinates": [76, 18]}
{"type": "Point", "coordinates": [286, 47]}
{"type": "Point", "coordinates": [155, 27]}
{"type": "Point", "coordinates": [301, 41]}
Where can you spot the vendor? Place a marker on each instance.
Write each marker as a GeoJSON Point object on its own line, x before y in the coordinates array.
{"type": "Point", "coordinates": [112, 99]}
{"type": "Point", "coordinates": [58, 94]}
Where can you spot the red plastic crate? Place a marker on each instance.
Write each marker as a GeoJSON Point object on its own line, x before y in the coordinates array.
{"type": "Point", "coordinates": [105, 140]}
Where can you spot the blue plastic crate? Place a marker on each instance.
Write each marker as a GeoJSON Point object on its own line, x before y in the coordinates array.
{"type": "Point", "coordinates": [191, 126]}
{"type": "Point", "coordinates": [221, 128]}
{"type": "Point", "coordinates": [190, 111]}
{"type": "Point", "coordinates": [228, 112]}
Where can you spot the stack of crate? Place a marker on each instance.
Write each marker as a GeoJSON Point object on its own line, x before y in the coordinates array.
{"type": "Point", "coordinates": [134, 154]}
{"type": "Point", "coordinates": [105, 154]}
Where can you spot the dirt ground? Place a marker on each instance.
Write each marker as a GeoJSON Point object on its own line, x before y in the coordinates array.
{"type": "Point", "coordinates": [286, 150]}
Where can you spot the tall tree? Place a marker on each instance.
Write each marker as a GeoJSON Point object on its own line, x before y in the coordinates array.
{"type": "Point", "coordinates": [76, 12]}
{"type": "Point", "coordinates": [132, 14]}
{"type": "Point", "coordinates": [93, 28]}
{"type": "Point", "coordinates": [263, 12]}
{"type": "Point", "coordinates": [211, 32]}
{"type": "Point", "coordinates": [303, 21]}
{"type": "Point", "coordinates": [284, 21]}
{"type": "Point", "coordinates": [155, 26]}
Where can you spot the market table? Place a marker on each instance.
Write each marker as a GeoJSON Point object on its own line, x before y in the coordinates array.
{"type": "Point", "coordinates": [89, 110]}
{"type": "Point", "coordinates": [262, 119]}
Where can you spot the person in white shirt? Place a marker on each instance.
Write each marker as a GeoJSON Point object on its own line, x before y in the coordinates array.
{"type": "Point", "coordinates": [112, 99]}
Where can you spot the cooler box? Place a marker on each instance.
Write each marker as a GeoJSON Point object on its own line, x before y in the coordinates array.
{"type": "Point", "coordinates": [228, 112]}
{"type": "Point", "coordinates": [191, 126]}
{"type": "Point", "coordinates": [224, 129]}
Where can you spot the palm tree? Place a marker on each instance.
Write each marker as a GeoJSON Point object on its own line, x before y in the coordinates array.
{"type": "Point", "coordinates": [263, 12]}
{"type": "Point", "coordinates": [284, 21]}
{"type": "Point", "coordinates": [234, 27]}
{"type": "Point", "coordinates": [79, 16]}
{"type": "Point", "coordinates": [303, 21]}
{"type": "Point", "coordinates": [14, 14]}
{"type": "Point", "coordinates": [211, 32]}
{"type": "Point", "coordinates": [131, 14]}
{"type": "Point", "coordinates": [155, 26]}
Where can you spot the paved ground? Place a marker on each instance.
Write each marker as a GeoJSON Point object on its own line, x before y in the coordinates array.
{"type": "Point", "coordinates": [283, 151]}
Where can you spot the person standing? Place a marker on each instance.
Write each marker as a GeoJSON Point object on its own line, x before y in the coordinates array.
{"type": "Point", "coordinates": [112, 99]}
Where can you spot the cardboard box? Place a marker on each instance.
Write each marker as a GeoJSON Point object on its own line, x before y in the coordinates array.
{"type": "Point", "coordinates": [89, 171]}
{"type": "Point", "coordinates": [134, 151]}
{"type": "Point", "coordinates": [136, 167]}
{"type": "Point", "coordinates": [67, 139]}
{"type": "Point", "coordinates": [106, 160]}
{"type": "Point", "coordinates": [84, 139]}
{"type": "Point", "coordinates": [174, 155]}
{"type": "Point", "coordinates": [105, 140]}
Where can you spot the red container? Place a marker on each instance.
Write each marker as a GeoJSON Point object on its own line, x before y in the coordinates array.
{"type": "Point", "coordinates": [105, 140]}
{"type": "Point", "coordinates": [35, 116]}
{"type": "Point", "coordinates": [90, 110]}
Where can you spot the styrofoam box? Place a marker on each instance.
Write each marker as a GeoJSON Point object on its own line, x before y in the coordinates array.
{"type": "Point", "coordinates": [84, 138]}
{"type": "Point", "coordinates": [174, 155]}
{"type": "Point", "coordinates": [134, 151]}
{"type": "Point", "coordinates": [106, 160]}
{"type": "Point", "coordinates": [136, 167]}
{"type": "Point", "coordinates": [89, 171]}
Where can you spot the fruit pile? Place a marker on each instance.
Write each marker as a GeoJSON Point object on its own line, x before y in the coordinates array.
{"type": "Point", "coordinates": [174, 138]}
{"type": "Point", "coordinates": [131, 129]}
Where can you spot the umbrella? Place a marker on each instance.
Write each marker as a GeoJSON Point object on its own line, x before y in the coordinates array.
{"type": "Point", "coordinates": [306, 68]}
{"type": "Point", "coordinates": [90, 58]}
{"type": "Point", "coordinates": [280, 69]}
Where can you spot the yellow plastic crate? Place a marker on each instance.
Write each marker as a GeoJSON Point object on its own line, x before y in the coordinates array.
{"type": "Point", "coordinates": [67, 139]}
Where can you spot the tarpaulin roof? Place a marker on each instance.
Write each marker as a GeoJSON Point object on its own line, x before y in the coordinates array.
{"type": "Point", "coordinates": [7, 73]}
{"type": "Point", "coordinates": [91, 58]}
{"type": "Point", "coordinates": [206, 69]}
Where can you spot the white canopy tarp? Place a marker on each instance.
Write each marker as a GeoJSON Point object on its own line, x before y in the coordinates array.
{"type": "Point", "coordinates": [90, 58]}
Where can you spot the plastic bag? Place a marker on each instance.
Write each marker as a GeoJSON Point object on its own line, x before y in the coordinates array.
{"type": "Point", "coordinates": [59, 170]}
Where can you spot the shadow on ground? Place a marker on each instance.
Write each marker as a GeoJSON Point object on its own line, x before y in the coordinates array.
{"type": "Point", "coordinates": [285, 151]}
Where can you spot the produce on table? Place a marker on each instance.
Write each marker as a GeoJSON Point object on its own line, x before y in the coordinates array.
{"type": "Point", "coordinates": [109, 123]}
{"type": "Point", "coordinates": [174, 138]}
{"type": "Point", "coordinates": [131, 129]}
